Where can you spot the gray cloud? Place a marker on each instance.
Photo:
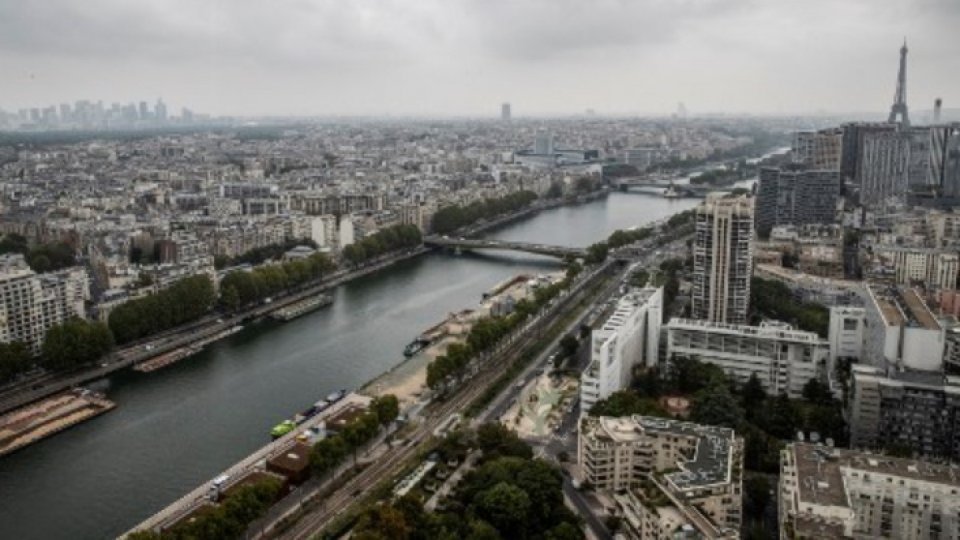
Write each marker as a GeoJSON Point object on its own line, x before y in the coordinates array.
{"type": "Point", "coordinates": [465, 56]}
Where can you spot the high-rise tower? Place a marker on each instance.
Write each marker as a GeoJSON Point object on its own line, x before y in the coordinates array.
{"type": "Point", "coordinates": [723, 259]}
{"type": "Point", "coordinates": [505, 112]}
{"type": "Point", "coordinates": [900, 99]}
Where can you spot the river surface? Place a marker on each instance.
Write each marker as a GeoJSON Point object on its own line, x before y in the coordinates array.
{"type": "Point", "coordinates": [180, 426]}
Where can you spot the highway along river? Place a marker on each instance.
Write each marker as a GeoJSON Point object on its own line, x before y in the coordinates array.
{"type": "Point", "coordinates": [180, 426]}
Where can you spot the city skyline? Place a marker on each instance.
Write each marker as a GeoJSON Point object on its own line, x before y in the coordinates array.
{"type": "Point", "coordinates": [384, 58]}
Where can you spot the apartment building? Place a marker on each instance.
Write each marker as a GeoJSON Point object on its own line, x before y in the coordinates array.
{"type": "Point", "coordinates": [796, 196]}
{"type": "Point", "coordinates": [666, 475]}
{"type": "Point", "coordinates": [901, 330]}
{"type": "Point", "coordinates": [783, 359]}
{"type": "Point", "coordinates": [629, 337]}
{"type": "Point", "coordinates": [919, 410]}
{"type": "Point", "coordinates": [722, 259]}
{"type": "Point", "coordinates": [32, 303]}
{"type": "Point", "coordinates": [935, 268]}
{"type": "Point", "coordinates": [828, 493]}
{"type": "Point", "coordinates": [819, 150]}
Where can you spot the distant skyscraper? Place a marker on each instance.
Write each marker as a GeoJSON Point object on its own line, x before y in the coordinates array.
{"type": "Point", "coordinates": [723, 259]}
{"type": "Point", "coordinates": [505, 112]}
{"type": "Point", "coordinates": [144, 110]}
{"type": "Point", "coordinates": [681, 111]}
{"type": "Point", "coordinates": [161, 111]}
{"type": "Point", "coordinates": [899, 107]}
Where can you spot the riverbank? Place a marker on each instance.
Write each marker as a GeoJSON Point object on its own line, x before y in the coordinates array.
{"type": "Point", "coordinates": [408, 379]}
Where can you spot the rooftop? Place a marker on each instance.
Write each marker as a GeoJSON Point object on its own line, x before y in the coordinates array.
{"type": "Point", "coordinates": [767, 330]}
{"type": "Point", "coordinates": [821, 471]}
{"type": "Point", "coordinates": [903, 307]}
{"type": "Point", "coordinates": [712, 461]}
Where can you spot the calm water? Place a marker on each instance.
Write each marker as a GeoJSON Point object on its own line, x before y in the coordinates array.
{"type": "Point", "coordinates": [180, 426]}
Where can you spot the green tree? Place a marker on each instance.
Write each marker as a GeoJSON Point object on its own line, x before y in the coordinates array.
{"type": "Point", "coordinates": [387, 408]}
{"type": "Point", "coordinates": [569, 345]}
{"type": "Point", "coordinates": [74, 343]}
{"type": "Point", "coordinates": [716, 406]}
{"type": "Point", "coordinates": [327, 453]}
{"type": "Point", "coordinates": [505, 506]}
{"type": "Point", "coordinates": [496, 440]}
{"type": "Point", "coordinates": [15, 358]}
{"type": "Point", "coordinates": [756, 491]}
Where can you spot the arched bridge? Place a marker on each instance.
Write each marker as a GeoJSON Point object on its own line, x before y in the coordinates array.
{"type": "Point", "coordinates": [473, 243]}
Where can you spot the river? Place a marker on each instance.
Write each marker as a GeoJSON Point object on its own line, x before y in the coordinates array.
{"type": "Point", "coordinates": [178, 427]}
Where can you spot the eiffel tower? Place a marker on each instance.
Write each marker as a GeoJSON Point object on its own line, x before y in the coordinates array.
{"type": "Point", "coordinates": [900, 99]}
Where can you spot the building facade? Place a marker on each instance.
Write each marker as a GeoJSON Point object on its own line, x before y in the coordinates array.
{"type": "Point", "coordinates": [783, 359]}
{"type": "Point", "coordinates": [916, 410]}
{"type": "Point", "coordinates": [722, 259]}
{"type": "Point", "coordinates": [31, 303]}
{"type": "Point", "coordinates": [629, 337]}
{"type": "Point", "coordinates": [846, 333]}
{"type": "Point", "coordinates": [829, 493]}
{"type": "Point", "coordinates": [796, 197]}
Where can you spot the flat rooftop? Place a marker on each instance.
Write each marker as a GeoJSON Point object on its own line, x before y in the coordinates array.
{"type": "Point", "coordinates": [903, 307]}
{"type": "Point", "coordinates": [821, 471]}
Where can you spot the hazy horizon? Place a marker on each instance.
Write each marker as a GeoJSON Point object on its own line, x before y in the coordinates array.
{"type": "Point", "coordinates": [463, 58]}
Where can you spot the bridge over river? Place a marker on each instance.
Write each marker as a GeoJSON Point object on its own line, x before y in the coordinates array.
{"type": "Point", "coordinates": [674, 189]}
{"type": "Point", "coordinates": [474, 243]}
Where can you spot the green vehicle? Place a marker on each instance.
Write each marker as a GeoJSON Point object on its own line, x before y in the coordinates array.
{"type": "Point", "coordinates": [282, 429]}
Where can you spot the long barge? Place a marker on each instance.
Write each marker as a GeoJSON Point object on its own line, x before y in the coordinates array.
{"type": "Point", "coordinates": [302, 307]}
{"type": "Point", "coordinates": [186, 351]}
{"type": "Point", "coordinates": [29, 424]}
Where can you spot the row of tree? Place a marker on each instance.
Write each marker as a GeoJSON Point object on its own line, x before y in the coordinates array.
{"type": "Point", "coordinates": [774, 300]}
{"type": "Point", "coordinates": [261, 254]}
{"type": "Point", "coordinates": [184, 301]}
{"type": "Point", "coordinates": [72, 344]}
{"type": "Point", "coordinates": [241, 288]}
{"type": "Point", "coordinates": [488, 331]}
{"type": "Point", "coordinates": [330, 451]}
{"type": "Point", "coordinates": [228, 520]}
{"type": "Point", "coordinates": [383, 241]}
{"type": "Point", "coordinates": [451, 218]}
{"type": "Point", "coordinates": [508, 495]}
{"type": "Point", "coordinates": [75, 343]}
{"type": "Point", "coordinates": [42, 258]}
{"type": "Point", "coordinates": [764, 421]}
{"type": "Point", "coordinates": [15, 358]}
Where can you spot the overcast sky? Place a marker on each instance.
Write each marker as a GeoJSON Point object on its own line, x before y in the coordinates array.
{"type": "Point", "coordinates": [464, 57]}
